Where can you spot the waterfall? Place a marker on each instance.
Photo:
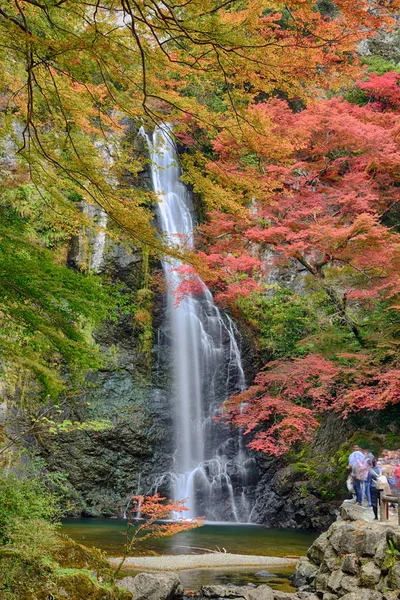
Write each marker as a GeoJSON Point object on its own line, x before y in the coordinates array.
{"type": "Point", "coordinates": [210, 466]}
{"type": "Point", "coordinates": [88, 246]}
{"type": "Point", "coordinates": [99, 242]}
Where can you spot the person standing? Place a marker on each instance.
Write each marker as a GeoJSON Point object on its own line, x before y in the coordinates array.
{"type": "Point", "coordinates": [368, 457]}
{"type": "Point", "coordinates": [396, 475]}
{"type": "Point", "coordinates": [358, 473]}
{"type": "Point", "coordinates": [373, 474]}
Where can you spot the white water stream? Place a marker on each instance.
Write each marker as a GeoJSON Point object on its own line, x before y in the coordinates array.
{"type": "Point", "coordinates": [206, 363]}
{"type": "Point", "coordinates": [91, 241]}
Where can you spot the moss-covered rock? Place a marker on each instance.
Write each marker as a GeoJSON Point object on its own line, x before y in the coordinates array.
{"type": "Point", "coordinates": [21, 579]}
{"type": "Point", "coordinates": [72, 572]}
{"type": "Point", "coordinates": [75, 556]}
{"type": "Point", "coordinates": [80, 584]}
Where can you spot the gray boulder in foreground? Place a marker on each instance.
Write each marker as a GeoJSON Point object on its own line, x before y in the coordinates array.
{"type": "Point", "coordinates": [262, 592]}
{"type": "Point", "coordinates": [152, 586]}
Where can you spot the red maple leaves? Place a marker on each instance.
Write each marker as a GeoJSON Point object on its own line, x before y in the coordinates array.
{"type": "Point", "coordinates": [156, 521]}
{"type": "Point", "coordinates": [283, 405]}
{"type": "Point", "coordinates": [317, 187]}
{"type": "Point", "coordinates": [383, 91]}
{"type": "Point", "coordinates": [325, 208]}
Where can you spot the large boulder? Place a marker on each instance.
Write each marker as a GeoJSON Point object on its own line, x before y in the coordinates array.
{"type": "Point", "coordinates": [152, 586]}
{"type": "Point", "coordinates": [305, 573]}
{"type": "Point", "coordinates": [352, 512]}
{"type": "Point", "coordinates": [221, 591]}
{"type": "Point", "coordinates": [355, 559]}
{"type": "Point", "coordinates": [363, 594]}
{"type": "Point", "coordinates": [262, 592]}
{"type": "Point", "coordinates": [317, 550]}
{"type": "Point", "coordinates": [370, 540]}
{"type": "Point", "coordinates": [350, 564]}
{"type": "Point", "coordinates": [344, 538]}
{"type": "Point", "coordinates": [370, 575]}
{"type": "Point", "coordinates": [394, 576]}
{"type": "Point", "coordinates": [349, 583]}
{"type": "Point", "coordinates": [80, 586]}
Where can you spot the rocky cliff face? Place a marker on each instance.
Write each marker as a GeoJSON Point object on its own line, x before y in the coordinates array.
{"type": "Point", "coordinates": [132, 392]}
{"type": "Point", "coordinates": [104, 468]}
{"type": "Point", "coordinates": [298, 491]}
{"type": "Point", "coordinates": [285, 499]}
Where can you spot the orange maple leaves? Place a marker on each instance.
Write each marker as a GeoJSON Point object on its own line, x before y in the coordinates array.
{"type": "Point", "coordinates": [320, 200]}
{"type": "Point", "coordinates": [158, 518]}
{"type": "Point", "coordinates": [317, 193]}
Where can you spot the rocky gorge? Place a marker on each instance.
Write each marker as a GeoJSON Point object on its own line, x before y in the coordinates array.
{"type": "Point", "coordinates": [135, 453]}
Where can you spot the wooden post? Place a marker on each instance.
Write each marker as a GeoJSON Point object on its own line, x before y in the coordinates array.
{"type": "Point", "coordinates": [384, 502]}
{"type": "Point", "coordinates": [382, 508]}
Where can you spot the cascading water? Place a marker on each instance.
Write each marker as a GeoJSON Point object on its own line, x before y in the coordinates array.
{"type": "Point", "coordinates": [211, 469]}
{"type": "Point", "coordinates": [99, 242]}
{"type": "Point", "coordinates": [89, 245]}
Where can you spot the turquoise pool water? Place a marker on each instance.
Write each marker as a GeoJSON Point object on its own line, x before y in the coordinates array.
{"type": "Point", "coordinates": [108, 534]}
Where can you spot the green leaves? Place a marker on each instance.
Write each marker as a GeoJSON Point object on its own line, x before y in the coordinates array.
{"type": "Point", "coordinates": [282, 319]}
{"type": "Point", "coordinates": [24, 499]}
{"type": "Point", "coordinates": [55, 427]}
{"type": "Point", "coordinates": [45, 309]}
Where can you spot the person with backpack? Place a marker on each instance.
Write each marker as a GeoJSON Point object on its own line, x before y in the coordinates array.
{"type": "Point", "coordinates": [369, 457]}
{"type": "Point", "coordinates": [374, 474]}
{"type": "Point", "coordinates": [360, 474]}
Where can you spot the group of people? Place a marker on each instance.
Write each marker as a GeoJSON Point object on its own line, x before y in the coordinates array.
{"type": "Point", "coordinates": [370, 476]}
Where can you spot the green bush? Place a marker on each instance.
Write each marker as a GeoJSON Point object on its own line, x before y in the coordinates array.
{"type": "Point", "coordinates": [33, 539]}
{"type": "Point", "coordinates": [24, 499]}
{"type": "Point", "coordinates": [20, 578]}
{"type": "Point", "coordinates": [281, 320]}
{"type": "Point", "coordinates": [379, 65]}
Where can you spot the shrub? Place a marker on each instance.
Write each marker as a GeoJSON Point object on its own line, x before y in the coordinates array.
{"type": "Point", "coordinates": [24, 499]}
{"type": "Point", "coordinates": [33, 539]}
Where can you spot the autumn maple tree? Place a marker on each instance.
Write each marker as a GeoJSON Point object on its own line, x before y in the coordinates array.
{"type": "Point", "coordinates": [73, 72]}
{"type": "Point", "coordinates": [314, 191]}
{"type": "Point", "coordinates": [282, 406]}
{"type": "Point", "coordinates": [154, 511]}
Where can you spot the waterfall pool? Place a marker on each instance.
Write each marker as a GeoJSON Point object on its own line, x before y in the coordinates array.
{"type": "Point", "coordinates": [108, 535]}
